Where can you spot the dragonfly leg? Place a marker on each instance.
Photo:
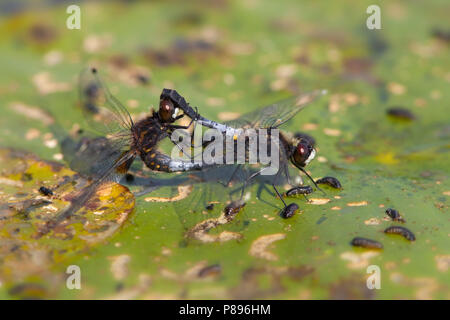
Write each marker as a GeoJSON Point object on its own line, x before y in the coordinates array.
{"type": "Point", "coordinates": [275, 180]}
{"type": "Point", "coordinates": [310, 178]}
{"type": "Point", "coordinates": [279, 195]}
{"type": "Point", "coordinates": [174, 126]}
{"type": "Point", "coordinates": [286, 172]}
{"type": "Point", "coordinates": [179, 117]}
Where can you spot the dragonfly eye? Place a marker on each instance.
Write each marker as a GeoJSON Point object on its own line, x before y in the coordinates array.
{"type": "Point", "coordinates": [304, 153]}
{"type": "Point", "coordinates": [166, 110]}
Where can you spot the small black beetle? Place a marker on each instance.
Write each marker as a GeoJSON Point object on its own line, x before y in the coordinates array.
{"type": "Point", "coordinates": [330, 181]}
{"type": "Point", "coordinates": [299, 190]}
{"type": "Point", "coordinates": [289, 211]}
{"type": "Point", "coordinates": [394, 215]}
{"type": "Point", "coordinates": [407, 234]}
{"type": "Point", "coordinates": [45, 191]}
{"type": "Point", "coordinates": [366, 243]}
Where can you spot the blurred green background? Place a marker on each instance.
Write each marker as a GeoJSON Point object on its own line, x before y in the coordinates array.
{"type": "Point", "coordinates": [229, 57]}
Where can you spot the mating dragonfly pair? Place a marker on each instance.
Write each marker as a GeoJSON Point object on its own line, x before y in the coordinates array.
{"type": "Point", "coordinates": [123, 140]}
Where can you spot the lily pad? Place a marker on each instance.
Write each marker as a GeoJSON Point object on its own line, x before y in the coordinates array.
{"type": "Point", "coordinates": [31, 261]}
{"type": "Point", "coordinates": [227, 58]}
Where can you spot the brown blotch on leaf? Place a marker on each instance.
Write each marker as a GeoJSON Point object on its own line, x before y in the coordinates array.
{"type": "Point", "coordinates": [250, 287]}
{"type": "Point", "coordinates": [42, 34]}
{"type": "Point", "coordinates": [351, 288]}
{"type": "Point", "coordinates": [210, 271]}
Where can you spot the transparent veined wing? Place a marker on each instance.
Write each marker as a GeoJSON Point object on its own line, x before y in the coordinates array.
{"type": "Point", "coordinates": [206, 210]}
{"type": "Point", "coordinates": [199, 202]}
{"type": "Point", "coordinates": [80, 199]}
{"type": "Point", "coordinates": [274, 115]}
{"type": "Point", "coordinates": [92, 157]}
{"type": "Point", "coordinates": [104, 113]}
{"type": "Point", "coordinates": [108, 119]}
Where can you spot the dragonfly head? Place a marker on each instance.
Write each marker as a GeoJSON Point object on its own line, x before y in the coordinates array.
{"type": "Point", "coordinates": [167, 111]}
{"type": "Point", "coordinates": [303, 153]}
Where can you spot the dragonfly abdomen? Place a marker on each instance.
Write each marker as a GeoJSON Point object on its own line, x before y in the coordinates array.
{"type": "Point", "coordinates": [248, 146]}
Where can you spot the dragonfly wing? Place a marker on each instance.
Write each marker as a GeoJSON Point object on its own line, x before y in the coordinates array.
{"type": "Point", "coordinates": [276, 114]}
{"type": "Point", "coordinates": [201, 211]}
{"type": "Point", "coordinates": [104, 113]}
{"type": "Point", "coordinates": [93, 156]}
{"type": "Point", "coordinates": [85, 194]}
{"type": "Point", "coordinates": [108, 119]}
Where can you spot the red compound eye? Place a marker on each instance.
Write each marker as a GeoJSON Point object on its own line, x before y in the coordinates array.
{"type": "Point", "coordinates": [166, 110]}
{"type": "Point", "coordinates": [303, 149]}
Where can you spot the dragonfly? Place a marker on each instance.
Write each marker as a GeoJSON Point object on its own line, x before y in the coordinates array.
{"type": "Point", "coordinates": [120, 141]}
{"type": "Point", "coordinates": [297, 151]}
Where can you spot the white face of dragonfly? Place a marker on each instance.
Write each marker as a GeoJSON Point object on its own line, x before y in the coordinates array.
{"type": "Point", "coordinates": [175, 113]}
{"type": "Point", "coordinates": [311, 156]}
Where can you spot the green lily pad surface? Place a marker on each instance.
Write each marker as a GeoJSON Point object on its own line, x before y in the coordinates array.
{"type": "Point", "coordinates": [228, 58]}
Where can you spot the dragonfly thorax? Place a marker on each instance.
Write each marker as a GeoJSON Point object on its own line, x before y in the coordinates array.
{"type": "Point", "coordinates": [147, 133]}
